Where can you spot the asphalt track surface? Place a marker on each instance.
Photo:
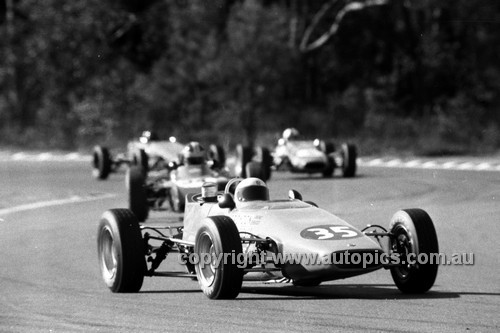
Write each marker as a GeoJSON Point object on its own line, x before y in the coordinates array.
{"type": "Point", "coordinates": [50, 281]}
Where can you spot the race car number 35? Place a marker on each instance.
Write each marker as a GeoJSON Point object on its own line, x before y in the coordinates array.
{"type": "Point", "coordinates": [329, 232]}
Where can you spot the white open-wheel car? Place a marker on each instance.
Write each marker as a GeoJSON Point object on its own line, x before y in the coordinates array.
{"type": "Point", "coordinates": [147, 152]}
{"type": "Point", "coordinates": [296, 154]}
{"type": "Point", "coordinates": [242, 222]}
{"type": "Point", "coordinates": [172, 182]}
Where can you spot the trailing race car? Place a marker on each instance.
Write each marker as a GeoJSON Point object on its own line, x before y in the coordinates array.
{"type": "Point", "coordinates": [147, 152]}
{"type": "Point", "coordinates": [174, 181]}
{"type": "Point", "coordinates": [240, 234]}
{"type": "Point", "coordinates": [313, 156]}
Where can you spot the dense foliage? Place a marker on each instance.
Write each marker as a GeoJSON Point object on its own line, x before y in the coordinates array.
{"type": "Point", "coordinates": [412, 74]}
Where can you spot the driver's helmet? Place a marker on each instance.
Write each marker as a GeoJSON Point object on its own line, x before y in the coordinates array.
{"type": "Point", "coordinates": [251, 189]}
{"type": "Point", "coordinates": [147, 136]}
{"type": "Point", "coordinates": [291, 134]}
{"type": "Point", "coordinates": [193, 154]}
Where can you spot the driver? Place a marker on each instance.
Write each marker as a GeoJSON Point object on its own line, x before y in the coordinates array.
{"type": "Point", "coordinates": [148, 136]}
{"type": "Point", "coordinates": [251, 189]}
{"type": "Point", "coordinates": [291, 134]}
{"type": "Point", "coordinates": [193, 154]}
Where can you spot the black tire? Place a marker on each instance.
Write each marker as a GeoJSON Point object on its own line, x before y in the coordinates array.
{"type": "Point", "coordinates": [101, 163]}
{"type": "Point", "coordinates": [349, 156]}
{"type": "Point", "coordinates": [217, 236]}
{"type": "Point", "coordinates": [120, 251]}
{"type": "Point", "coordinates": [327, 147]}
{"type": "Point", "coordinates": [137, 192]}
{"type": "Point", "coordinates": [414, 233]}
{"type": "Point", "coordinates": [263, 155]}
{"type": "Point", "coordinates": [255, 169]}
{"type": "Point", "coordinates": [141, 159]}
{"type": "Point", "coordinates": [330, 168]}
{"type": "Point", "coordinates": [175, 199]}
{"type": "Point", "coordinates": [216, 153]}
{"type": "Point", "coordinates": [243, 156]}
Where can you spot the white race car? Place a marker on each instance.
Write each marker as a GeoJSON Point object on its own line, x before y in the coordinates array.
{"type": "Point", "coordinates": [313, 156]}
{"type": "Point", "coordinates": [173, 181]}
{"type": "Point", "coordinates": [147, 152]}
{"type": "Point", "coordinates": [240, 234]}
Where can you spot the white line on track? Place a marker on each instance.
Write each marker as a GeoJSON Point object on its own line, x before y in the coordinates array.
{"type": "Point", "coordinates": [430, 164]}
{"type": "Point", "coordinates": [413, 163]}
{"type": "Point", "coordinates": [45, 157]}
{"type": "Point", "coordinates": [474, 165]}
{"type": "Point", "coordinates": [58, 202]}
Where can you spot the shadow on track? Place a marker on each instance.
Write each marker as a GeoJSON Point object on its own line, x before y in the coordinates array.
{"type": "Point", "coordinates": [344, 291]}
{"type": "Point", "coordinates": [175, 291]}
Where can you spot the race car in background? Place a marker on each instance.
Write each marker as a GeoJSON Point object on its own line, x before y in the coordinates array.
{"type": "Point", "coordinates": [147, 152]}
{"type": "Point", "coordinates": [233, 235]}
{"type": "Point", "coordinates": [175, 180]}
{"type": "Point", "coordinates": [295, 154]}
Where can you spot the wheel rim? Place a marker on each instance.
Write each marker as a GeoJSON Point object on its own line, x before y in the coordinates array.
{"type": "Point", "coordinates": [207, 272]}
{"type": "Point", "coordinates": [108, 255]}
{"type": "Point", "coordinates": [402, 245]}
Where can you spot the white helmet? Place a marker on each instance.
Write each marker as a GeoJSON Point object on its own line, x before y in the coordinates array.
{"type": "Point", "coordinates": [149, 136]}
{"type": "Point", "coordinates": [251, 189]}
{"type": "Point", "coordinates": [290, 134]}
{"type": "Point", "coordinates": [193, 154]}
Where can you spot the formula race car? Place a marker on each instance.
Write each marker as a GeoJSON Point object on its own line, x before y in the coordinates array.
{"type": "Point", "coordinates": [313, 156]}
{"type": "Point", "coordinates": [147, 152]}
{"type": "Point", "coordinates": [240, 234]}
{"type": "Point", "coordinates": [173, 181]}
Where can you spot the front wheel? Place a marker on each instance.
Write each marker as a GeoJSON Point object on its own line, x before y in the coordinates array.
{"type": "Point", "coordinates": [216, 242]}
{"type": "Point", "coordinates": [413, 237]}
{"type": "Point", "coordinates": [137, 193]}
{"type": "Point", "coordinates": [349, 156]}
{"type": "Point", "coordinates": [141, 159]}
{"type": "Point", "coordinates": [101, 163]}
{"type": "Point", "coordinates": [120, 251]}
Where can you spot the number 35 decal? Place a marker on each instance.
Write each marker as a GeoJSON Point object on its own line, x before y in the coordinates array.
{"type": "Point", "coordinates": [324, 232]}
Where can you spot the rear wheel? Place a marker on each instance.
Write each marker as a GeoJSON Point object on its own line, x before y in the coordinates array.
{"type": "Point", "coordinates": [349, 156]}
{"type": "Point", "coordinates": [216, 153]}
{"type": "Point", "coordinates": [101, 163]}
{"type": "Point", "coordinates": [264, 157]}
{"type": "Point", "coordinates": [330, 168]}
{"type": "Point", "coordinates": [141, 160]}
{"type": "Point", "coordinates": [217, 236]}
{"type": "Point", "coordinates": [175, 199]}
{"type": "Point", "coordinates": [120, 251]}
{"type": "Point", "coordinates": [243, 156]}
{"type": "Point", "coordinates": [414, 237]}
{"type": "Point", "coordinates": [327, 147]}
{"type": "Point", "coordinates": [137, 193]}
